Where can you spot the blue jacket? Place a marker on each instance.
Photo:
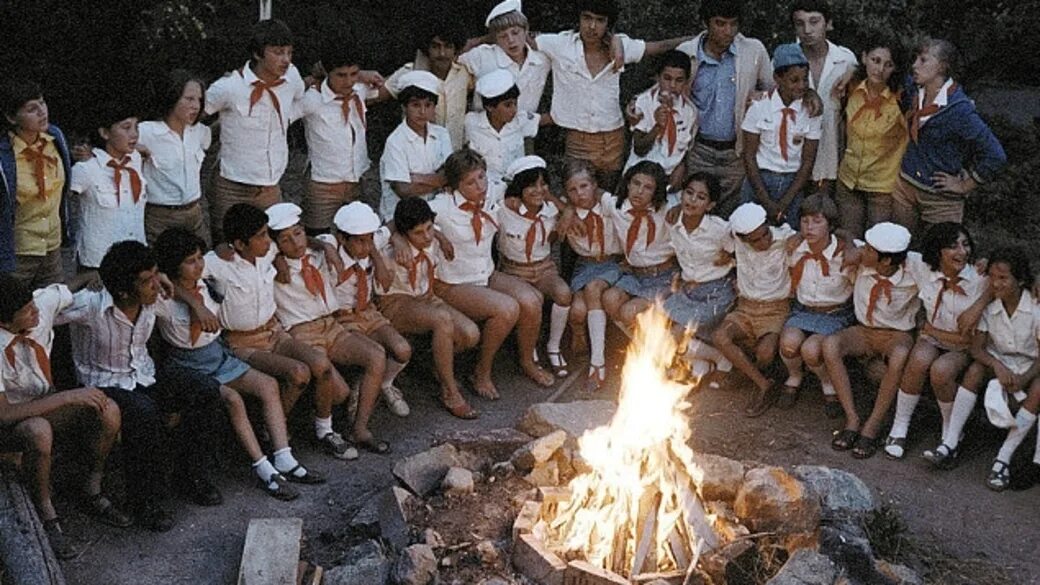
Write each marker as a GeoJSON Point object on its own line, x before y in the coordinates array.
{"type": "Point", "coordinates": [9, 191]}
{"type": "Point", "coordinates": [953, 139]}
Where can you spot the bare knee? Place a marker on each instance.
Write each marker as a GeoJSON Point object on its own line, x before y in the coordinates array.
{"type": "Point", "coordinates": [299, 375]}
{"type": "Point", "coordinates": [812, 351]}
{"type": "Point", "coordinates": [38, 435]}
{"type": "Point", "coordinates": [468, 335]}
{"type": "Point", "coordinates": [832, 349]}
{"type": "Point", "coordinates": [233, 402]}
{"type": "Point", "coordinates": [401, 349]}
{"type": "Point", "coordinates": [790, 343]}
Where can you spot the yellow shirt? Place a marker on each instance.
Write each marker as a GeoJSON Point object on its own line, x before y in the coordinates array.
{"type": "Point", "coordinates": [876, 142]}
{"type": "Point", "coordinates": [37, 221]}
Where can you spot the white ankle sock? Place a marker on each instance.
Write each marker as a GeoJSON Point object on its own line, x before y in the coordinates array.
{"type": "Point", "coordinates": [597, 319]}
{"type": "Point", "coordinates": [945, 409]}
{"type": "Point", "coordinates": [557, 325]}
{"type": "Point", "coordinates": [825, 381]}
{"type": "Point", "coordinates": [794, 370]}
{"type": "Point", "coordinates": [963, 404]}
{"type": "Point", "coordinates": [322, 427]}
{"type": "Point", "coordinates": [264, 470]}
{"type": "Point", "coordinates": [393, 368]}
{"type": "Point", "coordinates": [1024, 423]}
{"type": "Point", "coordinates": [905, 405]}
{"type": "Point", "coordinates": [284, 460]}
{"type": "Point", "coordinates": [700, 350]}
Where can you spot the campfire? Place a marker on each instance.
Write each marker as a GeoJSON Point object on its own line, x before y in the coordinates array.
{"type": "Point", "coordinates": [637, 513]}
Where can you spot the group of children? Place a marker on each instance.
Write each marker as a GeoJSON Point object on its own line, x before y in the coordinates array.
{"type": "Point", "coordinates": [278, 298]}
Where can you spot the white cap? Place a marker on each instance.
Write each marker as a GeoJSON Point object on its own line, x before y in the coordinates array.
{"type": "Point", "coordinates": [888, 238]}
{"type": "Point", "coordinates": [283, 215]}
{"type": "Point", "coordinates": [747, 218]}
{"type": "Point", "coordinates": [524, 163]}
{"type": "Point", "coordinates": [504, 7]}
{"type": "Point", "coordinates": [996, 404]}
{"type": "Point", "coordinates": [356, 219]}
{"type": "Point", "coordinates": [424, 80]}
{"type": "Point", "coordinates": [495, 83]}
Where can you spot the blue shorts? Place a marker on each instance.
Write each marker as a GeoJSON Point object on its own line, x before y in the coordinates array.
{"type": "Point", "coordinates": [704, 307]}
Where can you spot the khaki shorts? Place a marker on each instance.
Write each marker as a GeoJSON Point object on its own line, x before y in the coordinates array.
{"type": "Point", "coordinates": [603, 150]}
{"type": "Point", "coordinates": [759, 318]}
{"type": "Point", "coordinates": [227, 193]}
{"type": "Point", "coordinates": [880, 340]}
{"type": "Point", "coordinates": [390, 305]}
{"type": "Point", "coordinates": [364, 322]}
{"type": "Point", "coordinates": [932, 208]}
{"type": "Point", "coordinates": [268, 337]}
{"type": "Point", "coordinates": [323, 200]}
{"type": "Point", "coordinates": [158, 219]}
{"type": "Point", "coordinates": [321, 333]}
{"type": "Point", "coordinates": [532, 272]}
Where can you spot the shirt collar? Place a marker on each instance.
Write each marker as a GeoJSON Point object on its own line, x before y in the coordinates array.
{"type": "Point", "coordinates": [1025, 304]}
{"type": "Point", "coordinates": [18, 145]}
{"type": "Point", "coordinates": [413, 136]}
{"type": "Point", "coordinates": [543, 213]}
{"type": "Point", "coordinates": [778, 103]}
{"type": "Point", "coordinates": [704, 57]}
{"type": "Point", "coordinates": [327, 95]}
{"type": "Point", "coordinates": [861, 87]}
{"type": "Point", "coordinates": [941, 99]}
{"type": "Point", "coordinates": [829, 251]}
{"type": "Point", "coordinates": [583, 213]}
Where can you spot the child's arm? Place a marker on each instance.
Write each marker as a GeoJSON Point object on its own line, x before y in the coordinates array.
{"type": "Point", "coordinates": [969, 319]}
{"type": "Point", "coordinates": [1004, 375]}
{"type": "Point", "coordinates": [383, 275]}
{"type": "Point", "coordinates": [801, 178]}
{"type": "Point", "coordinates": [420, 184]}
{"type": "Point", "coordinates": [210, 322]}
{"type": "Point", "coordinates": [14, 413]}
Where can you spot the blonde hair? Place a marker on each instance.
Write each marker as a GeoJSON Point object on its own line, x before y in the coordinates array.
{"type": "Point", "coordinates": [507, 20]}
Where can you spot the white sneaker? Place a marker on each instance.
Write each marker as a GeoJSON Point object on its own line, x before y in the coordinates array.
{"type": "Point", "coordinates": [395, 401]}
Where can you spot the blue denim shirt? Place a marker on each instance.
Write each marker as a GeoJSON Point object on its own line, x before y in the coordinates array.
{"type": "Point", "coordinates": [9, 193]}
{"type": "Point", "coordinates": [714, 94]}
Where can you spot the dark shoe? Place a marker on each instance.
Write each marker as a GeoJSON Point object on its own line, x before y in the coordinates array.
{"type": "Point", "coordinates": [153, 517]}
{"type": "Point", "coordinates": [63, 548]}
{"type": "Point", "coordinates": [202, 492]}
{"type": "Point", "coordinates": [374, 445]}
{"type": "Point", "coordinates": [844, 439]}
{"type": "Point", "coordinates": [788, 397]}
{"type": "Point", "coordinates": [895, 447]}
{"type": "Point", "coordinates": [832, 408]}
{"type": "Point", "coordinates": [865, 447]}
{"type": "Point", "coordinates": [102, 509]}
{"type": "Point", "coordinates": [999, 476]}
{"type": "Point", "coordinates": [942, 457]}
{"type": "Point", "coordinates": [334, 444]}
{"type": "Point", "coordinates": [300, 474]}
{"type": "Point", "coordinates": [760, 401]}
{"type": "Point", "coordinates": [279, 488]}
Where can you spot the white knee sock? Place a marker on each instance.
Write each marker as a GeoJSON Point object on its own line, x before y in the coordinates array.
{"type": "Point", "coordinates": [597, 319]}
{"type": "Point", "coordinates": [322, 426]}
{"type": "Point", "coordinates": [945, 409]}
{"type": "Point", "coordinates": [393, 368]}
{"type": "Point", "coordinates": [1023, 424]}
{"type": "Point", "coordinates": [557, 325]}
{"type": "Point", "coordinates": [905, 405]}
{"type": "Point", "coordinates": [963, 404]}
{"type": "Point", "coordinates": [794, 369]}
{"type": "Point", "coordinates": [825, 380]}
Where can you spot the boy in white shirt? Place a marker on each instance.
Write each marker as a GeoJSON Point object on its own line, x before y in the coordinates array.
{"type": "Point", "coordinates": [111, 189]}
{"type": "Point", "coordinates": [358, 241]}
{"type": "Point", "coordinates": [416, 149]}
{"type": "Point", "coordinates": [256, 104]}
{"type": "Point", "coordinates": [334, 117]}
{"type": "Point", "coordinates": [763, 289]}
{"type": "Point", "coordinates": [666, 120]}
{"type": "Point", "coordinates": [780, 140]}
{"type": "Point", "coordinates": [497, 133]}
{"type": "Point", "coordinates": [306, 301]}
{"type": "Point", "coordinates": [32, 410]}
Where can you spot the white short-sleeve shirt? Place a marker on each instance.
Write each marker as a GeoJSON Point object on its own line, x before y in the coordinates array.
{"type": "Point", "coordinates": [451, 100]}
{"type": "Point", "coordinates": [943, 315]}
{"type": "Point", "coordinates": [1013, 338]}
{"type": "Point", "coordinates": [336, 145]}
{"type": "Point", "coordinates": [499, 147]}
{"type": "Point", "coordinates": [346, 285]}
{"type": "Point", "coordinates": [896, 304]}
{"type": "Point", "coordinates": [253, 146]}
{"type": "Point", "coordinates": [515, 228]}
{"type": "Point", "coordinates": [473, 263]}
{"type": "Point", "coordinates": [816, 289]}
{"type": "Point", "coordinates": [174, 320]}
{"type": "Point", "coordinates": [765, 117]}
{"type": "Point", "coordinates": [580, 100]}
{"type": "Point", "coordinates": [530, 76]}
{"type": "Point", "coordinates": [699, 248]}
{"type": "Point", "coordinates": [247, 287]}
{"type": "Point", "coordinates": [106, 216]}
{"type": "Point", "coordinates": [423, 265]}
{"type": "Point", "coordinates": [646, 250]}
{"type": "Point", "coordinates": [296, 304]}
{"type": "Point", "coordinates": [597, 242]}
{"type": "Point", "coordinates": [664, 152]}
{"type": "Point", "coordinates": [763, 276]}
{"type": "Point", "coordinates": [175, 162]}
{"type": "Point", "coordinates": [25, 380]}
{"type": "Point", "coordinates": [405, 153]}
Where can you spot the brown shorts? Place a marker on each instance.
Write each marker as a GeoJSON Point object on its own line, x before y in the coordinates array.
{"type": "Point", "coordinates": [321, 333]}
{"type": "Point", "coordinates": [759, 318]}
{"type": "Point", "coordinates": [265, 338]}
{"type": "Point", "coordinates": [364, 322]}
{"type": "Point", "coordinates": [227, 193]}
{"type": "Point", "coordinates": [879, 339]}
{"type": "Point", "coordinates": [931, 207]}
{"type": "Point", "coordinates": [603, 150]}
{"type": "Point", "coordinates": [532, 272]}
{"type": "Point", "coordinates": [323, 200]}
{"type": "Point", "coordinates": [390, 305]}
{"type": "Point", "coordinates": [158, 218]}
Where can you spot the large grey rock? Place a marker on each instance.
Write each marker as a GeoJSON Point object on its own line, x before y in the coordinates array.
{"type": "Point", "coordinates": [458, 480]}
{"type": "Point", "coordinates": [840, 492]}
{"type": "Point", "coordinates": [806, 567]}
{"type": "Point", "coordinates": [416, 565]}
{"type": "Point", "coordinates": [364, 563]}
{"type": "Point", "coordinates": [770, 499]}
{"type": "Point", "coordinates": [386, 514]}
{"type": "Point", "coordinates": [573, 417]}
{"type": "Point", "coordinates": [496, 444]}
{"type": "Point", "coordinates": [538, 451]}
{"type": "Point", "coordinates": [423, 472]}
{"type": "Point", "coordinates": [719, 477]}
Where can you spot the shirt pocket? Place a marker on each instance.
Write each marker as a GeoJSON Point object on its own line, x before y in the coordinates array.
{"type": "Point", "coordinates": [105, 194]}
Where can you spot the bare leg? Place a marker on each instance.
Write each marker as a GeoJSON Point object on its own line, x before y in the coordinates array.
{"type": "Point", "coordinates": [726, 339]}
{"type": "Point", "coordinates": [355, 349]}
{"type": "Point", "coordinates": [529, 325]}
{"type": "Point", "coordinates": [330, 388]}
{"type": "Point", "coordinates": [498, 312]}
{"type": "Point", "coordinates": [791, 340]}
{"type": "Point", "coordinates": [264, 388]}
{"type": "Point", "coordinates": [896, 357]}
{"type": "Point", "coordinates": [293, 375]}
{"type": "Point", "coordinates": [38, 437]}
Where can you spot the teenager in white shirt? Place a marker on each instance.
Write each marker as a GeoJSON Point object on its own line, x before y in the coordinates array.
{"type": "Point", "coordinates": [417, 148]}
{"type": "Point", "coordinates": [175, 147]}
{"type": "Point", "coordinates": [256, 104]}
{"type": "Point", "coordinates": [110, 188]}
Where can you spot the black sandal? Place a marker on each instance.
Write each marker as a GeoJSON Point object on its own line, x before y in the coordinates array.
{"type": "Point", "coordinates": [898, 443]}
{"type": "Point", "coordinates": [844, 440]}
{"type": "Point", "coordinates": [865, 447]}
{"type": "Point", "coordinates": [308, 477]}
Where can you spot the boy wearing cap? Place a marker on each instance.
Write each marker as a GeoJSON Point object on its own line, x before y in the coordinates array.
{"type": "Point", "coordinates": [416, 149]}
{"type": "Point", "coordinates": [831, 66]}
{"type": "Point", "coordinates": [498, 132]}
{"type": "Point", "coordinates": [34, 169]}
{"type": "Point", "coordinates": [436, 55]}
{"type": "Point", "coordinates": [335, 123]}
{"type": "Point", "coordinates": [763, 303]}
{"type": "Point", "coordinates": [247, 315]}
{"type": "Point", "coordinates": [256, 104]}
{"type": "Point", "coordinates": [666, 120]}
{"type": "Point", "coordinates": [886, 303]}
{"type": "Point", "coordinates": [111, 189]}
{"type": "Point", "coordinates": [412, 308]}
{"type": "Point", "coordinates": [506, 48]}
{"type": "Point", "coordinates": [586, 83]}
{"type": "Point", "coordinates": [306, 302]}
{"type": "Point", "coordinates": [358, 239]}
{"type": "Point", "coordinates": [780, 140]}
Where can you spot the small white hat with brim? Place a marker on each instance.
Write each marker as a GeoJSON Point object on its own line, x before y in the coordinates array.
{"type": "Point", "coordinates": [424, 80]}
{"type": "Point", "coordinates": [524, 163]}
{"type": "Point", "coordinates": [747, 218]}
{"type": "Point", "coordinates": [888, 238]}
{"type": "Point", "coordinates": [356, 219]}
{"type": "Point", "coordinates": [497, 82]}
{"type": "Point", "coordinates": [283, 215]}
